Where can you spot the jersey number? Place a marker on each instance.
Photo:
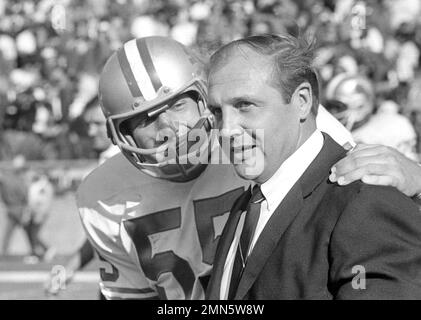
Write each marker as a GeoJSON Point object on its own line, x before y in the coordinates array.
{"type": "Point", "coordinates": [141, 228]}
{"type": "Point", "coordinates": [110, 275]}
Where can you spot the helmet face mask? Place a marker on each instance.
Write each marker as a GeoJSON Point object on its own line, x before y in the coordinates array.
{"type": "Point", "coordinates": [168, 140]}
{"type": "Point", "coordinates": [168, 157]}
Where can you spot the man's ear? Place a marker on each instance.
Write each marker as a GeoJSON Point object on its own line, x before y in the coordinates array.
{"type": "Point", "coordinates": [303, 99]}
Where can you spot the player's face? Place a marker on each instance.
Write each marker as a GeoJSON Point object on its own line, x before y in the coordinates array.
{"type": "Point", "coordinates": [243, 100]}
{"type": "Point", "coordinates": [148, 132]}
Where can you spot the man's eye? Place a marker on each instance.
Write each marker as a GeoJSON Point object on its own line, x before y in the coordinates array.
{"type": "Point", "coordinates": [147, 121]}
{"type": "Point", "coordinates": [215, 111]}
{"type": "Point", "coordinates": [244, 105]}
{"type": "Point", "coordinates": [178, 106]}
{"type": "Point", "coordinates": [139, 123]}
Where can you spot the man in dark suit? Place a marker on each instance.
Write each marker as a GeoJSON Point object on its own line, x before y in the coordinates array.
{"type": "Point", "coordinates": [296, 235]}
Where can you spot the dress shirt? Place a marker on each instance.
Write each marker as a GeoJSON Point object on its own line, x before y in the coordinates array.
{"type": "Point", "coordinates": [275, 189]}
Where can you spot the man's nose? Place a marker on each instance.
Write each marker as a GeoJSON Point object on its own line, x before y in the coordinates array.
{"type": "Point", "coordinates": [229, 124]}
{"type": "Point", "coordinates": [164, 120]}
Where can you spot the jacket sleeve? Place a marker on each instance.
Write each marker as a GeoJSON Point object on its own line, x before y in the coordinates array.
{"type": "Point", "coordinates": [375, 248]}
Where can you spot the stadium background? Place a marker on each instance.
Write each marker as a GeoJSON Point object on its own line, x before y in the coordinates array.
{"type": "Point", "coordinates": [51, 53]}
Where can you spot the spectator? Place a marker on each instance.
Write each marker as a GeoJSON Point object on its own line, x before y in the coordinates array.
{"type": "Point", "coordinates": [40, 199]}
{"type": "Point", "coordinates": [14, 194]}
{"type": "Point", "coordinates": [355, 102]}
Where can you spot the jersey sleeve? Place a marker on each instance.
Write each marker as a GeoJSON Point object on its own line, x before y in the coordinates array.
{"type": "Point", "coordinates": [326, 122]}
{"type": "Point", "coordinates": [121, 277]}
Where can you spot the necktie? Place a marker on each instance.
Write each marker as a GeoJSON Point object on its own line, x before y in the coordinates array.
{"type": "Point", "coordinates": [250, 223]}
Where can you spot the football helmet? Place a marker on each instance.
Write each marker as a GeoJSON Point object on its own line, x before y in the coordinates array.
{"type": "Point", "coordinates": [350, 98]}
{"type": "Point", "coordinates": [140, 80]}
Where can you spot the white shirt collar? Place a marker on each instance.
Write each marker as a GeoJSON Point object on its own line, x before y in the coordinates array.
{"type": "Point", "coordinates": [291, 170]}
{"type": "Point", "coordinates": [275, 190]}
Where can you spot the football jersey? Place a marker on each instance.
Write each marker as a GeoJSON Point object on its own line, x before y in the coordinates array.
{"type": "Point", "coordinates": [155, 238]}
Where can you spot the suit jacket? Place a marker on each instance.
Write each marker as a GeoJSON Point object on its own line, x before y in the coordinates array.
{"type": "Point", "coordinates": [322, 237]}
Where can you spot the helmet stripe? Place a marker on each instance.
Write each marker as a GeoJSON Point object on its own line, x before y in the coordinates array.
{"type": "Point", "coordinates": [139, 71]}
{"type": "Point", "coordinates": [128, 74]}
{"type": "Point", "coordinates": [148, 63]}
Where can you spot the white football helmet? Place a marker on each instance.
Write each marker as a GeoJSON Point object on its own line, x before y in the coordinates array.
{"type": "Point", "coordinates": [139, 80]}
{"type": "Point", "coordinates": [352, 98]}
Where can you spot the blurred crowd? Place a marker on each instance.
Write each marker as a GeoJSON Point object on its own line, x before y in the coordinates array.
{"type": "Point", "coordinates": [51, 52]}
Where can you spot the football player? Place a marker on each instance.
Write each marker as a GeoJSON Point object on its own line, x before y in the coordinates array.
{"type": "Point", "coordinates": [355, 95]}
{"type": "Point", "coordinates": [155, 223]}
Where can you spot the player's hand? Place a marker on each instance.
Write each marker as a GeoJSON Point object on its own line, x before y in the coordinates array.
{"type": "Point", "coordinates": [378, 165]}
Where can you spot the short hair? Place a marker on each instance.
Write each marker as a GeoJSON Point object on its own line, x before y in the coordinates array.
{"type": "Point", "coordinates": [292, 59]}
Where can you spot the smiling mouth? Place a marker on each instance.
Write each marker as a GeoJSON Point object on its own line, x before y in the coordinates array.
{"type": "Point", "coordinates": [242, 149]}
{"type": "Point", "coordinates": [240, 154]}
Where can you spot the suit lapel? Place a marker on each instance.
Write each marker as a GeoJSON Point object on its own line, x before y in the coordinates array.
{"type": "Point", "coordinates": [214, 287]}
{"type": "Point", "coordinates": [273, 231]}
{"type": "Point", "coordinates": [286, 212]}
{"type": "Point", "coordinates": [319, 169]}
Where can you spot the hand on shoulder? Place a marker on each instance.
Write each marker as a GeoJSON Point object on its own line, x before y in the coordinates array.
{"type": "Point", "coordinates": [378, 165]}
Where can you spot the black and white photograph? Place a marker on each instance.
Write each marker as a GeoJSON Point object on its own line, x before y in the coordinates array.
{"type": "Point", "coordinates": [240, 150]}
